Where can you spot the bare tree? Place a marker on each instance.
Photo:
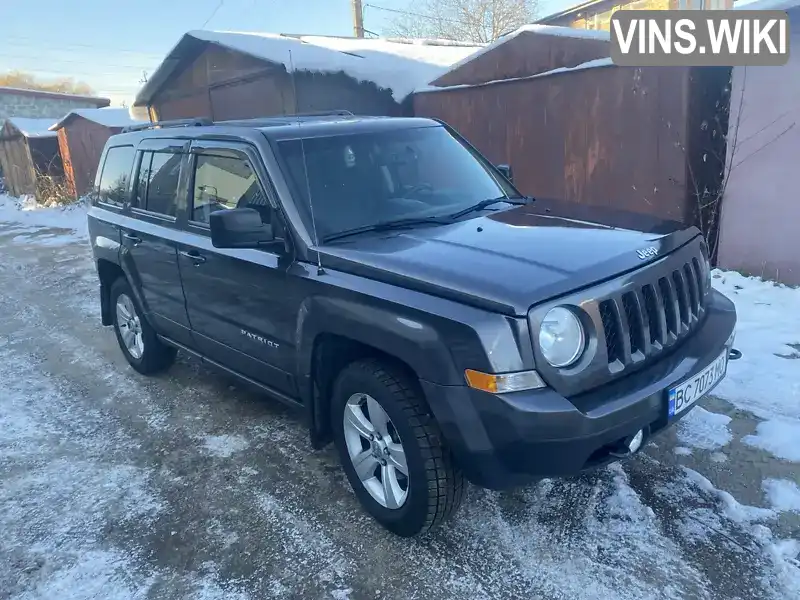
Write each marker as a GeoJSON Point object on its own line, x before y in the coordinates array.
{"type": "Point", "coordinates": [477, 21]}
{"type": "Point", "coordinates": [20, 79]}
{"type": "Point", "coordinates": [726, 126]}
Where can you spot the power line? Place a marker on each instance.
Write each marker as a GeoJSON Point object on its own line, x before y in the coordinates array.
{"type": "Point", "coordinates": [64, 61]}
{"type": "Point", "coordinates": [407, 13]}
{"type": "Point", "coordinates": [39, 44]}
{"type": "Point", "coordinates": [214, 12]}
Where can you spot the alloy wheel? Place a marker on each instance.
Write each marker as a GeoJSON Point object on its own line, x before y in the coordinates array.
{"type": "Point", "coordinates": [376, 451]}
{"type": "Point", "coordinates": [130, 326]}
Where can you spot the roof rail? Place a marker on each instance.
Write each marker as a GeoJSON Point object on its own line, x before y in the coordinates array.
{"type": "Point", "coordinates": [199, 122]}
{"type": "Point", "coordinates": [324, 113]}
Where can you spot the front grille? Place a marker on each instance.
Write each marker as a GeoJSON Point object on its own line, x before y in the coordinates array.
{"type": "Point", "coordinates": [641, 322]}
{"type": "Point", "coordinates": [632, 320]}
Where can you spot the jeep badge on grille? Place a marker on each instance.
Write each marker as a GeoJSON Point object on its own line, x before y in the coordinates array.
{"type": "Point", "coordinates": [648, 252]}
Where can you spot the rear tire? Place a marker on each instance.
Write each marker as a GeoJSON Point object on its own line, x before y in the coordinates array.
{"type": "Point", "coordinates": [137, 339]}
{"type": "Point", "coordinates": [433, 488]}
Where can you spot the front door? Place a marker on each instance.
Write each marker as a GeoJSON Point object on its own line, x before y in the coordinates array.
{"type": "Point", "coordinates": [149, 235]}
{"type": "Point", "coordinates": [240, 305]}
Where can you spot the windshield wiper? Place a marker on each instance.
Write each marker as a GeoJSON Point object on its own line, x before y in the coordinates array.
{"type": "Point", "coordinates": [388, 226]}
{"type": "Point", "coordinates": [487, 203]}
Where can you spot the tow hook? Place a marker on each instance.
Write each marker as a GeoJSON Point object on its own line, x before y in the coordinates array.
{"type": "Point", "coordinates": [629, 445]}
{"type": "Point", "coordinates": [734, 354]}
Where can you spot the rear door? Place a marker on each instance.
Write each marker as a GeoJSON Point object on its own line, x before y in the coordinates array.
{"type": "Point", "coordinates": [241, 304]}
{"type": "Point", "coordinates": [149, 250]}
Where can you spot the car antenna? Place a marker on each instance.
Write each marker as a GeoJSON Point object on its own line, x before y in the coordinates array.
{"type": "Point", "coordinates": [320, 270]}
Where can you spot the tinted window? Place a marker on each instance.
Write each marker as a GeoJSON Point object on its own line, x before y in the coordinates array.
{"type": "Point", "coordinates": [158, 182]}
{"type": "Point", "coordinates": [113, 186]}
{"type": "Point", "coordinates": [361, 179]}
{"type": "Point", "coordinates": [140, 195]}
{"type": "Point", "coordinates": [224, 182]}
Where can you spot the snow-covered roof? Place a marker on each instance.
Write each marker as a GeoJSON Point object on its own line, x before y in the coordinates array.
{"type": "Point", "coordinates": [33, 128]}
{"type": "Point", "coordinates": [108, 117]}
{"type": "Point", "coordinates": [534, 28]}
{"type": "Point", "coordinates": [590, 64]}
{"type": "Point", "coordinates": [96, 100]}
{"type": "Point", "coordinates": [399, 66]}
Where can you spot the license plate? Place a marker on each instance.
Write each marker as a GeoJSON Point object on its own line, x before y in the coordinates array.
{"type": "Point", "coordinates": [690, 391]}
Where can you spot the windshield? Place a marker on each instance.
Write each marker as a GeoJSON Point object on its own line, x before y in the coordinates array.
{"type": "Point", "coordinates": [362, 179]}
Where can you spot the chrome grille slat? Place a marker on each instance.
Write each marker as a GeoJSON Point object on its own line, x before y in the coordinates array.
{"type": "Point", "coordinates": [671, 311]}
{"type": "Point", "coordinates": [642, 322]}
{"type": "Point", "coordinates": [691, 281]}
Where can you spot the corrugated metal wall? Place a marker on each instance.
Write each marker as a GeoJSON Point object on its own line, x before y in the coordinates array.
{"type": "Point", "coordinates": [81, 142]}
{"type": "Point", "coordinates": [526, 54]}
{"type": "Point", "coordinates": [605, 136]}
{"type": "Point", "coordinates": [222, 84]}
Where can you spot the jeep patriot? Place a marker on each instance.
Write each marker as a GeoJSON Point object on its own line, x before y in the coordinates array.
{"type": "Point", "coordinates": [385, 278]}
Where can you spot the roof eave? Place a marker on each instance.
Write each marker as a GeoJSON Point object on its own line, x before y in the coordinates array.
{"type": "Point", "coordinates": [187, 48]}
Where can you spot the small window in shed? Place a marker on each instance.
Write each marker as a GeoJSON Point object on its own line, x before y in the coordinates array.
{"type": "Point", "coordinates": [113, 187]}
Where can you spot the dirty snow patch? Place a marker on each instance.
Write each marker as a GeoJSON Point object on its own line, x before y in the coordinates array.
{"type": "Point", "coordinates": [224, 446]}
{"type": "Point", "coordinates": [780, 437]}
{"type": "Point", "coordinates": [37, 224]}
{"type": "Point", "coordinates": [683, 451]}
{"type": "Point", "coordinates": [734, 510]}
{"type": "Point", "coordinates": [783, 494]}
{"type": "Point", "coordinates": [704, 429]}
{"type": "Point", "coordinates": [719, 457]}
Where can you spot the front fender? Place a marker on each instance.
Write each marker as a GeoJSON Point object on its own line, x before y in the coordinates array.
{"type": "Point", "coordinates": [399, 333]}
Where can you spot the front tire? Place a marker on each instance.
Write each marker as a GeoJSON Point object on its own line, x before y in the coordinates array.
{"type": "Point", "coordinates": [392, 450]}
{"type": "Point", "coordinates": [137, 339]}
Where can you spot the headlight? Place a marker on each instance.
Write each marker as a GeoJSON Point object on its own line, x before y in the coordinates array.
{"type": "Point", "coordinates": [561, 337]}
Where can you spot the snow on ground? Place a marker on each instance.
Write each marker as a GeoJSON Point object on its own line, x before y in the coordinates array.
{"type": "Point", "coordinates": [35, 224]}
{"type": "Point", "coordinates": [705, 430]}
{"type": "Point", "coordinates": [224, 446]}
{"type": "Point", "coordinates": [766, 380]}
{"type": "Point", "coordinates": [783, 495]}
{"type": "Point", "coordinates": [781, 437]}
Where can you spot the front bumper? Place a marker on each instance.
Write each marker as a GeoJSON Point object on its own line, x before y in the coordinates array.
{"type": "Point", "coordinates": [507, 440]}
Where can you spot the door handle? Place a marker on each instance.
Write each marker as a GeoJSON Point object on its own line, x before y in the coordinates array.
{"type": "Point", "coordinates": [194, 255]}
{"type": "Point", "coordinates": [132, 238]}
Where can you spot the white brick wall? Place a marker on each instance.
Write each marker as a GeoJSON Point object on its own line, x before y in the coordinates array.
{"type": "Point", "coordinates": [20, 105]}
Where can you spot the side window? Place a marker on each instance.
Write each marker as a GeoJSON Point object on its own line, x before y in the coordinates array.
{"type": "Point", "coordinates": [162, 182]}
{"type": "Point", "coordinates": [113, 187]}
{"type": "Point", "coordinates": [225, 182]}
{"type": "Point", "coordinates": [140, 196]}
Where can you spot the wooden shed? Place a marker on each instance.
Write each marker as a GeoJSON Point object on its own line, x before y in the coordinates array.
{"type": "Point", "coordinates": [82, 133]}
{"type": "Point", "coordinates": [575, 128]}
{"type": "Point", "coordinates": [223, 75]}
{"type": "Point", "coordinates": [29, 155]}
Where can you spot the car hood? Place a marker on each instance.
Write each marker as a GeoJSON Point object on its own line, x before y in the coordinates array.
{"type": "Point", "coordinates": [512, 259]}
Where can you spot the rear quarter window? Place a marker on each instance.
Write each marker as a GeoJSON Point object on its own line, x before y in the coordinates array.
{"type": "Point", "coordinates": [115, 175]}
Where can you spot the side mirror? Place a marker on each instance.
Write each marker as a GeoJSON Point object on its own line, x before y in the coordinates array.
{"type": "Point", "coordinates": [239, 228]}
{"type": "Point", "coordinates": [505, 171]}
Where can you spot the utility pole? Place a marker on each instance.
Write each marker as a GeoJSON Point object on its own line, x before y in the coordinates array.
{"type": "Point", "coordinates": [358, 18]}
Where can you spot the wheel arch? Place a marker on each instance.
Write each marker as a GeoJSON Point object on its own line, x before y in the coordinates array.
{"type": "Point", "coordinates": [333, 333]}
